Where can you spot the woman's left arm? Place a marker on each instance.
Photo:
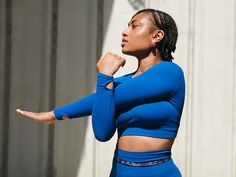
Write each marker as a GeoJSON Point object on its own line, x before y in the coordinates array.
{"type": "Point", "coordinates": [103, 112]}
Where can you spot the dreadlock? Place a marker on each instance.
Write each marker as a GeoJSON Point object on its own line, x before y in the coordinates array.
{"type": "Point", "coordinates": [166, 23]}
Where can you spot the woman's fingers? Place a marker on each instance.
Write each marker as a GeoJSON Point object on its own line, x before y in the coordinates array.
{"type": "Point", "coordinates": [19, 111]}
{"type": "Point", "coordinates": [110, 63]}
{"type": "Point", "coordinates": [28, 114]}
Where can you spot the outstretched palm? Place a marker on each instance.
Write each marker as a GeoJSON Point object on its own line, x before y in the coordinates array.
{"type": "Point", "coordinates": [44, 117]}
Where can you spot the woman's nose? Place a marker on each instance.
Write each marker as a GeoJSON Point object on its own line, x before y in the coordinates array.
{"type": "Point", "coordinates": [125, 32]}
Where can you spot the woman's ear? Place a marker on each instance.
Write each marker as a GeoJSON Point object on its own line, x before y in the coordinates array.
{"type": "Point", "coordinates": [158, 35]}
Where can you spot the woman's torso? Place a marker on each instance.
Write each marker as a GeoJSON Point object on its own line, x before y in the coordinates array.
{"type": "Point", "coordinates": [143, 143]}
{"type": "Point", "coordinates": [151, 124]}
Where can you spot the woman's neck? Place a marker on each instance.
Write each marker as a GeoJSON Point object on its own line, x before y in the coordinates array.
{"type": "Point", "coordinates": [146, 62]}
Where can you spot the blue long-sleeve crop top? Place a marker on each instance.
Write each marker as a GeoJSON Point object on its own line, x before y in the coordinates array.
{"type": "Point", "coordinates": [149, 104]}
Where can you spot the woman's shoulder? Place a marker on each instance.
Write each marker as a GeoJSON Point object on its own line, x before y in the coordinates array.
{"type": "Point", "coordinates": [171, 66]}
{"type": "Point", "coordinates": [169, 69]}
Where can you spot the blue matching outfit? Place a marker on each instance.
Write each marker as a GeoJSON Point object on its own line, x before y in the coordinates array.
{"type": "Point", "coordinates": [149, 104]}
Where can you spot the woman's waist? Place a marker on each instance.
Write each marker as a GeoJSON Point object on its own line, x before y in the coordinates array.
{"type": "Point", "coordinates": [143, 143]}
{"type": "Point", "coordinates": [142, 156]}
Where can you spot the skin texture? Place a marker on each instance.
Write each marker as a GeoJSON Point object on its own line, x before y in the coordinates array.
{"type": "Point", "coordinates": [139, 40]}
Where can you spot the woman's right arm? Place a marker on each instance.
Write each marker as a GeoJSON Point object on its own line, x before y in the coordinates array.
{"type": "Point", "coordinates": [79, 108]}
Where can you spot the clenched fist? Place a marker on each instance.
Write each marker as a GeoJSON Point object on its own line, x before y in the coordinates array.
{"type": "Point", "coordinates": [110, 63]}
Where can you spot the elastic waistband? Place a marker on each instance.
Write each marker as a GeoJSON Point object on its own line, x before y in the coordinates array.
{"type": "Point", "coordinates": [142, 156]}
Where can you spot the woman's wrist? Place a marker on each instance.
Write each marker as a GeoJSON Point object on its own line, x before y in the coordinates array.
{"type": "Point", "coordinates": [106, 73]}
{"type": "Point", "coordinates": [52, 115]}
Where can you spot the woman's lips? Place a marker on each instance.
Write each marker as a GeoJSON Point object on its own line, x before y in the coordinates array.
{"type": "Point", "coordinates": [123, 42]}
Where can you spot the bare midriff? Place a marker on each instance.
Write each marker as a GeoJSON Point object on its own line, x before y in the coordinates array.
{"type": "Point", "coordinates": [143, 143]}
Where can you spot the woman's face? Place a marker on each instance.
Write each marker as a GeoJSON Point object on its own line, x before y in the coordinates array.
{"type": "Point", "coordinates": [138, 37]}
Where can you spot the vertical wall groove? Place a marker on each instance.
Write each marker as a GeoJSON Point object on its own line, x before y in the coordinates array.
{"type": "Point", "coordinates": [7, 86]}
{"type": "Point", "coordinates": [233, 167]}
{"type": "Point", "coordinates": [93, 46]}
{"type": "Point", "coordinates": [44, 82]}
{"type": "Point", "coordinates": [52, 91]}
{"type": "Point", "coordinates": [190, 86]}
{"type": "Point", "coordinates": [100, 27]}
{"type": "Point", "coordinates": [99, 41]}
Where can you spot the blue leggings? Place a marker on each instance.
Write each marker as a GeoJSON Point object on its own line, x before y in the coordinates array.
{"type": "Point", "coordinates": [166, 169]}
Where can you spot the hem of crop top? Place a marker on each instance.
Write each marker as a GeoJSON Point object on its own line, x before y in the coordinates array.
{"type": "Point", "coordinates": [136, 131]}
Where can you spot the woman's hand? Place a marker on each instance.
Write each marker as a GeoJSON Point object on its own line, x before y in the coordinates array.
{"type": "Point", "coordinates": [44, 117]}
{"type": "Point", "coordinates": [110, 63]}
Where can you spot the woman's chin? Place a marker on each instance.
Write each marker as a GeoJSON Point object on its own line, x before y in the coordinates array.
{"type": "Point", "coordinates": [126, 52]}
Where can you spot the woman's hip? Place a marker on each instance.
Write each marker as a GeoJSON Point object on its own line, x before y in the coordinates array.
{"type": "Point", "coordinates": [144, 164]}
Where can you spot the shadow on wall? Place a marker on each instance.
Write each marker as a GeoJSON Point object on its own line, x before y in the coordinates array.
{"type": "Point", "coordinates": [73, 133]}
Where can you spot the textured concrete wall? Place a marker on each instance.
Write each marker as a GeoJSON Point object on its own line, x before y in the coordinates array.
{"type": "Point", "coordinates": [48, 56]}
{"type": "Point", "coordinates": [2, 31]}
{"type": "Point", "coordinates": [76, 73]}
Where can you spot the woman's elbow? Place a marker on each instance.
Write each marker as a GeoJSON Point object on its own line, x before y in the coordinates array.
{"type": "Point", "coordinates": [103, 132]}
{"type": "Point", "coordinates": [103, 137]}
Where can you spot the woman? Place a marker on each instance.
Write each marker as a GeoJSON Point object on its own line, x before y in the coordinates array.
{"type": "Point", "coordinates": [144, 106]}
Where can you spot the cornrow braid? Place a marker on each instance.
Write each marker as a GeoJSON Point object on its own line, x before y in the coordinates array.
{"type": "Point", "coordinates": [166, 23]}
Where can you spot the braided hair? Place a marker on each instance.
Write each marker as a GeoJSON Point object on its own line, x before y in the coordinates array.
{"type": "Point", "coordinates": [166, 23]}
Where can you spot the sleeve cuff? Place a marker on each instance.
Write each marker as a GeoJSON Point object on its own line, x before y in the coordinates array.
{"type": "Point", "coordinates": [104, 75]}
{"type": "Point", "coordinates": [103, 80]}
{"type": "Point", "coordinates": [58, 114]}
